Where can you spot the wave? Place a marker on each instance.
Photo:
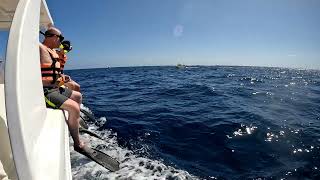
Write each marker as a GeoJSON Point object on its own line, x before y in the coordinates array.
{"type": "Point", "coordinates": [132, 166]}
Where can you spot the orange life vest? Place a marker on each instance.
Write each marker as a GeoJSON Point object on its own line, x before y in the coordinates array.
{"type": "Point", "coordinates": [51, 72]}
{"type": "Point", "coordinates": [62, 59]}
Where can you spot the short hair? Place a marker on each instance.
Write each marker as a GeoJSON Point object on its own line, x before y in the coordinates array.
{"type": "Point", "coordinates": [52, 30]}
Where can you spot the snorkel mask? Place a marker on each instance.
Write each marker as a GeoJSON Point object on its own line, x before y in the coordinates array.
{"type": "Point", "coordinates": [65, 46]}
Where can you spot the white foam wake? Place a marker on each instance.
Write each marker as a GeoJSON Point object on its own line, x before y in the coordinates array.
{"type": "Point", "coordinates": [131, 166]}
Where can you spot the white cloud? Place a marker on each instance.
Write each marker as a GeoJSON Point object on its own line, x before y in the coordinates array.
{"type": "Point", "coordinates": [178, 30]}
{"type": "Point", "coordinates": [292, 55]}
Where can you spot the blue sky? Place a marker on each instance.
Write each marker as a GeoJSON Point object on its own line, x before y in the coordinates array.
{"type": "Point", "coordinates": [200, 32]}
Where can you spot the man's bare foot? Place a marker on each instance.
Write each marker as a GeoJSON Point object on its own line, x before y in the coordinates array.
{"type": "Point", "coordinates": [79, 147]}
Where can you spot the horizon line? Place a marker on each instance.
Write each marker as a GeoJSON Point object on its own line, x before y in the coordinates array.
{"type": "Point", "coordinates": [132, 66]}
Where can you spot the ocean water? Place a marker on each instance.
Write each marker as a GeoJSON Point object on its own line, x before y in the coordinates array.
{"type": "Point", "coordinates": [215, 122]}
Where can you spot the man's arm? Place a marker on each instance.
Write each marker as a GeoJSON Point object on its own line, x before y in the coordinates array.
{"type": "Point", "coordinates": [44, 54]}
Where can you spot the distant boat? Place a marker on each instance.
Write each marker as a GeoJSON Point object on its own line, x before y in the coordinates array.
{"type": "Point", "coordinates": [180, 66]}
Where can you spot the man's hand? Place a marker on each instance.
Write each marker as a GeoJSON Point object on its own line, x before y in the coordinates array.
{"type": "Point", "coordinates": [67, 78]}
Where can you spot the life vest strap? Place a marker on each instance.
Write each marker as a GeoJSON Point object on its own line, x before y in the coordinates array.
{"type": "Point", "coordinates": [50, 69]}
{"type": "Point", "coordinates": [53, 68]}
{"type": "Point", "coordinates": [46, 75]}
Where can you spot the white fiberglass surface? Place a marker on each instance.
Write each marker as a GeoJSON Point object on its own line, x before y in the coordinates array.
{"type": "Point", "coordinates": [26, 111]}
{"type": "Point", "coordinates": [37, 137]}
{"type": "Point", "coordinates": [6, 157]}
{"type": "Point", "coordinates": [7, 10]}
{"type": "Point", "coordinates": [50, 147]}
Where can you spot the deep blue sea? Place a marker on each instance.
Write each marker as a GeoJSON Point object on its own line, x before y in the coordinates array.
{"type": "Point", "coordinates": [217, 122]}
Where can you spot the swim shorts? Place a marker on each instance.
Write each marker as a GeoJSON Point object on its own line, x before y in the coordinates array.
{"type": "Point", "coordinates": [56, 97]}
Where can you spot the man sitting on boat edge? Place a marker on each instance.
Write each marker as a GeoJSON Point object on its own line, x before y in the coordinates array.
{"type": "Point", "coordinates": [56, 96]}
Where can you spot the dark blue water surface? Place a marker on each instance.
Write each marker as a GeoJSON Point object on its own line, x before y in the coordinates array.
{"type": "Point", "coordinates": [214, 122]}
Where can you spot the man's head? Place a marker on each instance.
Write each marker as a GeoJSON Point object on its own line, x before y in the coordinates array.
{"type": "Point", "coordinates": [53, 37]}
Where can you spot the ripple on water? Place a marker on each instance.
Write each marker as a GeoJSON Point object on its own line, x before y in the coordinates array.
{"type": "Point", "coordinates": [211, 122]}
{"type": "Point", "coordinates": [132, 166]}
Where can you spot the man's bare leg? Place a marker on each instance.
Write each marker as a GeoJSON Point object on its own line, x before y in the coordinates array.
{"type": "Point", "coordinates": [73, 85]}
{"type": "Point", "coordinates": [76, 96]}
{"type": "Point", "coordinates": [76, 86]}
{"type": "Point", "coordinates": [73, 121]}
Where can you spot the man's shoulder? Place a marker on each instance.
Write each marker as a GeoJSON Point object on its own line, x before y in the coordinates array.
{"type": "Point", "coordinates": [42, 46]}
{"type": "Point", "coordinates": [46, 49]}
{"type": "Point", "coordinates": [44, 54]}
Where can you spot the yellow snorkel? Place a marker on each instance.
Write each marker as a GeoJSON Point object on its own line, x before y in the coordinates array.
{"type": "Point", "coordinates": [65, 46]}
